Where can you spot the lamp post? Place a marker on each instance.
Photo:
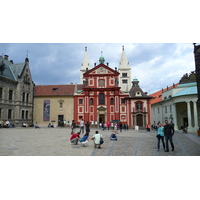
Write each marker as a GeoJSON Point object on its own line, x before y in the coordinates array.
{"type": "Point", "coordinates": [197, 66]}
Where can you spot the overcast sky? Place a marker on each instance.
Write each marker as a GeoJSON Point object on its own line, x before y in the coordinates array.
{"type": "Point", "coordinates": [155, 65]}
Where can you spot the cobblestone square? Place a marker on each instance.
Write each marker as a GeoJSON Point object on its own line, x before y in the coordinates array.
{"type": "Point", "coordinates": [55, 142]}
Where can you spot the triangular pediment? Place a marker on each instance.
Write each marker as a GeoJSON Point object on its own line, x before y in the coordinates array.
{"type": "Point", "coordinates": [101, 69]}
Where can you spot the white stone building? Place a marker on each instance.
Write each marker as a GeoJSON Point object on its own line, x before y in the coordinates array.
{"type": "Point", "coordinates": [177, 104]}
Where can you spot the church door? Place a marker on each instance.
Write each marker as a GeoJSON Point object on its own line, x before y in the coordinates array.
{"type": "Point", "coordinates": [101, 118]}
{"type": "Point", "coordinates": [139, 120]}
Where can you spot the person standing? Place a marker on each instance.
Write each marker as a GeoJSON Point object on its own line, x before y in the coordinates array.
{"type": "Point", "coordinates": [100, 126]}
{"type": "Point", "coordinates": [87, 127]}
{"type": "Point", "coordinates": [120, 126]}
{"type": "Point", "coordinates": [112, 126]}
{"type": "Point", "coordinates": [82, 126]}
{"type": "Point", "coordinates": [105, 126]}
{"type": "Point", "coordinates": [168, 132]}
{"type": "Point", "coordinates": [108, 125]}
{"type": "Point", "coordinates": [73, 126]}
{"type": "Point", "coordinates": [160, 136]}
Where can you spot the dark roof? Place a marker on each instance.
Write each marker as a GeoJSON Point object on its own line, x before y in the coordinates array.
{"type": "Point", "coordinates": [17, 69]}
{"type": "Point", "coordinates": [12, 71]}
{"type": "Point", "coordinates": [56, 90]}
{"type": "Point", "coordinates": [8, 72]}
{"type": "Point", "coordinates": [135, 89]}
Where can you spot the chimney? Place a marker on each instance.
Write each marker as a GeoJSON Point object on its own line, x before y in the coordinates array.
{"type": "Point", "coordinates": [95, 64]}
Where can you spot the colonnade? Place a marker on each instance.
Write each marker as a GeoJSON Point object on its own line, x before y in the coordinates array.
{"type": "Point", "coordinates": [192, 124]}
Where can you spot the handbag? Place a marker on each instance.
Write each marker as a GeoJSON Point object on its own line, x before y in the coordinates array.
{"type": "Point", "coordinates": [158, 136]}
{"type": "Point", "coordinates": [101, 140]}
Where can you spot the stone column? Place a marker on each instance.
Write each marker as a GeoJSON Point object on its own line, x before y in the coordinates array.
{"type": "Point", "coordinates": [189, 116]}
{"type": "Point", "coordinates": [174, 117]}
{"type": "Point", "coordinates": [195, 115]}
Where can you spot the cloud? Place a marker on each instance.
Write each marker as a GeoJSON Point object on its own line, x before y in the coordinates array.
{"type": "Point", "coordinates": [156, 65]}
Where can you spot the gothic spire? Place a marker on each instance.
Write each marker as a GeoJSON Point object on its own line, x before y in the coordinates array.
{"type": "Point", "coordinates": [123, 61]}
{"type": "Point", "coordinates": [85, 63]}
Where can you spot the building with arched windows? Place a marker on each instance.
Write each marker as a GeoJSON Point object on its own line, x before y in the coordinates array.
{"type": "Point", "coordinates": [103, 95]}
{"type": "Point", "coordinates": [107, 95]}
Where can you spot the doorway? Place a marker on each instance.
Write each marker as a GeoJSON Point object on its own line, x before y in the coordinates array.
{"type": "Point", "coordinates": [139, 120]}
{"type": "Point", "coordinates": [101, 118]}
{"type": "Point", "coordinates": [60, 120]}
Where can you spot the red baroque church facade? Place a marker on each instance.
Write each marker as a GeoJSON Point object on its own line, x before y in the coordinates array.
{"type": "Point", "coordinates": [103, 95]}
{"type": "Point", "coordinates": [100, 99]}
{"type": "Point", "coordinates": [107, 95]}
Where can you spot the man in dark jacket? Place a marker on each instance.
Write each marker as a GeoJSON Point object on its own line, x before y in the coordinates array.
{"type": "Point", "coordinates": [168, 132]}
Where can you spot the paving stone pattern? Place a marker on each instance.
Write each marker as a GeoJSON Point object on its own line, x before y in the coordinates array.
{"type": "Point", "coordinates": [55, 142]}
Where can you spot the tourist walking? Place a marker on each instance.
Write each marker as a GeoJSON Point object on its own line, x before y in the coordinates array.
{"type": "Point", "coordinates": [87, 127]}
{"type": "Point", "coordinates": [82, 126]}
{"type": "Point", "coordinates": [120, 126]}
{"type": "Point", "coordinates": [108, 125]}
{"type": "Point", "coordinates": [115, 126]}
{"type": "Point", "coordinates": [168, 132]}
{"type": "Point", "coordinates": [73, 126]}
{"type": "Point", "coordinates": [160, 136]}
{"type": "Point", "coordinates": [112, 126]}
{"type": "Point", "coordinates": [100, 126]}
{"type": "Point", "coordinates": [105, 126]}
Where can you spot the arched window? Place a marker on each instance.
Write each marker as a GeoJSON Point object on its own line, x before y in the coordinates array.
{"type": "Point", "coordinates": [112, 101]}
{"type": "Point", "coordinates": [101, 99]}
{"type": "Point", "coordinates": [91, 101]}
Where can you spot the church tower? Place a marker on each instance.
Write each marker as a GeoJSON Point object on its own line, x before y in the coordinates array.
{"type": "Point", "coordinates": [85, 65]}
{"type": "Point", "coordinates": [125, 73]}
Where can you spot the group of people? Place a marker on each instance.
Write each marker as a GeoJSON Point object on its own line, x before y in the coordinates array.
{"type": "Point", "coordinates": [113, 126]}
{"type": "Point", "coordinates": [82, 125]}
{"type": "Point", "coordinates": [5, 124]}
{"type": "Point", "coordinates": [163, 131]}
{"type": "Point", "coordinates": [98, 138]}
{"type": "Point", "coordinates": [167, 132]}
